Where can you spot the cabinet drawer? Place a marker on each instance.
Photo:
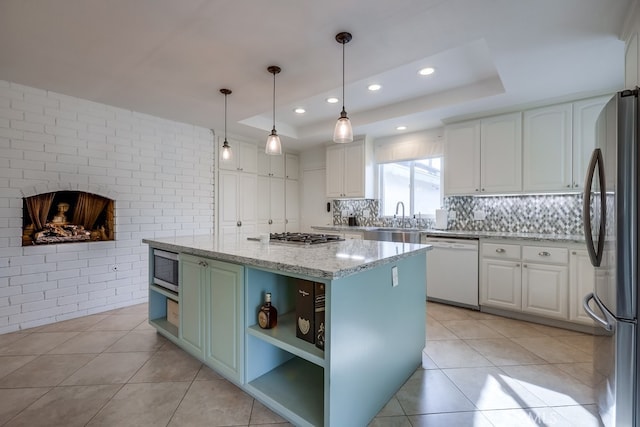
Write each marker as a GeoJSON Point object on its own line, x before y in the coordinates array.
{"type": "Point", "coordinates": [545, 254]}
{"type": "Point", "coordinates": [500, 251]}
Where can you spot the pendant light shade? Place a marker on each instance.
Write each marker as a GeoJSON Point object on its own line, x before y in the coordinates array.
{"type": "Point", "coordinates": [273, 147]}
{"type": "Point", "coordinates": [225, 153]}
{"type": "Point", "coordinates": [343, 131]}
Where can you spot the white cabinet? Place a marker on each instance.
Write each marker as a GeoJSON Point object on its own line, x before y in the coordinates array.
{"type": "Point", "coordinates": [462, 158]}
{"type": "Point", "coordinates": [212, 328]}
{"type": "Point", "coordinates": [545, 290]}
{"type": "Point", "coordinates": [500, 278]}
{"type": "Point", "coordinates": [269, 165]}
{"type": "Point", "coordinates": [244, 158]}
{"type": "Point", "coordinates": [291, 166]}
{"type": "Point", "coordinates": [558, 141]}
{"type": "Point", "coordinates": [484, 156]}
{"type": "Point", "coordinates": [585, 115]}
{"type": "Point", "coordinates": [271, 205]}
{"type": "Point", "coordinates": [237, 205]}
{"type": "Point", "coordinates": [501, 154]}
{"type": "Point", "coordinates": [500, 285]}
{"type": "Point", "coordinates": [581, 283]}
{"type": "Point", "coordinates": [349, 171]}
{"type": "Point", "coordinates": [292, 206]}
{"type": "Point", "coordinates": [547, 136]}
{"type": "Point", "coordinates": [527, 278]}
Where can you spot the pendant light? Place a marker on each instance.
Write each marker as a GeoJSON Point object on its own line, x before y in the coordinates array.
{"type": "Point", "coordinates": [225, 154]}
{"type": "Point", "coordinates": [343, 132]}
{"type": "Point", "coordinates": [273, 147]}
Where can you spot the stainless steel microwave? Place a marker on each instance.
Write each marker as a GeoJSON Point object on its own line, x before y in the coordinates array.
{"type": "Point", "coordinates": [165, 269]}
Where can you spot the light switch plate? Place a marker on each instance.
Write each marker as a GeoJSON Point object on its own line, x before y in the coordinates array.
{"type": "Point", "coordinates": [394, 276]}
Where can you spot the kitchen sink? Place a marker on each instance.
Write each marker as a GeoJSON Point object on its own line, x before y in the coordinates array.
{"type": "Point", "coordinates": [393, 234]}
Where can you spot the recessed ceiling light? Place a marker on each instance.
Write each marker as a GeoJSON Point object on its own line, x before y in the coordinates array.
{"type": "Point", "coordinates": [374, 87]}
{"type": "Point", "coordinates": [426, 71]}
{"type": "Point", "coordinates": [401, 127]}
{"type": "Point", "coordinates": [332, 100]}
{"type": "Point", "coordinates": [299, 110]}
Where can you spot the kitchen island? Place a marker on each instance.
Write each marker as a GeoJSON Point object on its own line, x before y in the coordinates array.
{"type": "Point", "coordinates": [374, 318]}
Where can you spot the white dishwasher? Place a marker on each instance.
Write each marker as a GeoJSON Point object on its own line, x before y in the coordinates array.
{"type": "Point", "coordinates": [452, 271]}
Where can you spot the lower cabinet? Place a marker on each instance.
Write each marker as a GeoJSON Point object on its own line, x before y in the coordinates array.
{"type": "Point", "coordinates": [501, 284]}
{"type": "Point", "coordinates": [581, 283]}
{"type": "Point", "coordinates": [539, 280]}
{"type": "Point", "coordinates": [545, 290]}
{"type": "Point", "coordinates": [211, 329]}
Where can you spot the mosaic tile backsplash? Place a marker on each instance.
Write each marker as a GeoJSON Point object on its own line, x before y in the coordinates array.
{"type": "Point", "coordinates": [550, 214]}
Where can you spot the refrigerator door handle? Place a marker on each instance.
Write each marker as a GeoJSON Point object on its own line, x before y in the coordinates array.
{"type": "Point", "coordinates": [595, 254]}
{"type": "Point", "coordinates": [606, 324]}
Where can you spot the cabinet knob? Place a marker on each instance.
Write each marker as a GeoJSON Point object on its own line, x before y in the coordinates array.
{"type": "Point", "coordinates": [203, 263]}
{"type": "Point", "coordinates": [476, 189]}
{"type": "Point", "coordinates": [239, 223]}
{"type": "Point", "coordinates": [544, 253]}
{"type": "Point", "coordinates": [576, 185]}
{"type": "Point", "coordinates": [482, 189]}
{"type": "Point", "coordinates": [573, 253]}
{"type": "Point", "coordinates": [518, 265]}
{"type": "Point", "coordinates": [524, 265]}
{"type": "Point", "coordinates": [286, 221]}
{"type": "Point", "coordinates": [500, 251]}
{"type": "Point", "coordinates": [270, 221]}
{"type": "Point", "coordinates": [568, 185]}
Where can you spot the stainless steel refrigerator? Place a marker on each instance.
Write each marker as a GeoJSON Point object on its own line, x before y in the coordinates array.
{"type": "Point", "coordinates": [610, 215]}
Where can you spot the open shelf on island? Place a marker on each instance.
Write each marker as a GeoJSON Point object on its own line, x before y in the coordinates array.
{"type": "Point", "coordinates": [296, 386]}
{"type": "Point", "coordinates": [284, 336]}
{"type": "Point", "coordinates": [164, 324]}
{"type": "Point", "coordinates": [166, 292]}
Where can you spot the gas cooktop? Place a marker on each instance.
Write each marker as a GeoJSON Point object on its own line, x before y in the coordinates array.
{"type": "Point", "coordinates": [304, 238]}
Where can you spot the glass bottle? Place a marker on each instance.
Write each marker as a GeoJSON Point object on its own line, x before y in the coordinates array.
{"type": "Point", "coordinates": [267, 315]}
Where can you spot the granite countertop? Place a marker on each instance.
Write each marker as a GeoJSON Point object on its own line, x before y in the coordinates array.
{"type": "Point", "coordinates": [330, 261]}
{"type": "Point", "coordinates": [469, 234]}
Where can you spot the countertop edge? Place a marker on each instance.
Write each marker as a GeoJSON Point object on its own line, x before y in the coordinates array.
{"type": "Point", "coordinates": [279, 266]}
{"type": "Point", "coordinates": [469, 234]}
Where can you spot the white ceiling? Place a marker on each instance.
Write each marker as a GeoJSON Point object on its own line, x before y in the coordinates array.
{"type": "Point", "coordinates": [169, 58]}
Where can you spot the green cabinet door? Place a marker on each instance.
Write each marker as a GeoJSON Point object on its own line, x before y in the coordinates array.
{"type": "Point", "coordinates": [224, 331]}
{"type": "Point", "coordinates": [193, 274]}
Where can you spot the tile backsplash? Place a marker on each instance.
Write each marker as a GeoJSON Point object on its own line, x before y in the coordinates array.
{"type": "Point", "coordinates": [551, 214]}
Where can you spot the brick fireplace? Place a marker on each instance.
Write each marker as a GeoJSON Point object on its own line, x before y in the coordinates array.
{"type": "Point", "coordinates": [67, 217]}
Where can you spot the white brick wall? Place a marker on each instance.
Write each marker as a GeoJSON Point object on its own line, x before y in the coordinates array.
{"type": "Point", "coordinates": [159, 172]}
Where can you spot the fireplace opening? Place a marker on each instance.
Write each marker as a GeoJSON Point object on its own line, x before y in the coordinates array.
{"type": "Point", "coordinates": [66, 217]}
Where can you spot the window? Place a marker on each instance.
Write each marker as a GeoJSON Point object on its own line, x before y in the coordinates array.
{"type": "Point", "coordinates": [416, 183]}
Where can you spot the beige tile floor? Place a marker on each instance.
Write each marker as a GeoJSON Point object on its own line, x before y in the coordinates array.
{"type": "Point", "coordinates": [112, 369]}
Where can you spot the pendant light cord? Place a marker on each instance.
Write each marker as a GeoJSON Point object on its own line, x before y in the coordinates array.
{"type": "Point", "coordinates": [343, 43]}
{"type": "Point", "coordinates": [274, 101]}
{"type": "Point", "coordinates": [225, 117]}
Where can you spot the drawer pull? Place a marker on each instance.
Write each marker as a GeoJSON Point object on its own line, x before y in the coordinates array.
{"type": "Point", "coordinates": [544, 253]}
{"type": "Point", "coordinates": [500, 251]}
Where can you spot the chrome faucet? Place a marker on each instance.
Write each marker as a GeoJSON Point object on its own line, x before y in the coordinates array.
{"type": "Point", "coordinates": [397, 206]}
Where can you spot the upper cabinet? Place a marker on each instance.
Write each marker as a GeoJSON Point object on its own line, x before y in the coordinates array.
{"type": "Point", "coordinates": [558, 142]}
{"type": "Point", "coordinates": [547, 148]}
{"type": "Point", "coordinates": [349, 170]}
{"type": "Point", "coordinates": [291, 166]}
{"type": "Point", "coordinates": [269, 165]}
{"type": "Point", "coordinates": [462, 158]}
{"type": "Point", "coordinates": [484, 156]}
{"type": "Point", "coordinates": [243, 159]}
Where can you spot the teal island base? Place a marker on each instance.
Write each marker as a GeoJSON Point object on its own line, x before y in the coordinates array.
{"type": "Point", "coordinates": [375, 334]}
